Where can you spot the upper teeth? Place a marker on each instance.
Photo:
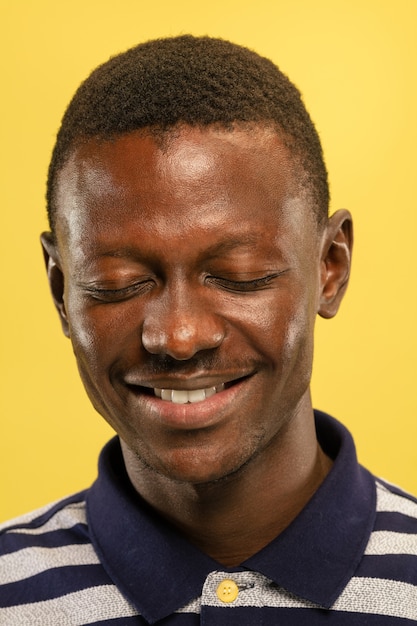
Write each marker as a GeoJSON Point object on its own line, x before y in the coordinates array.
{"type": "Point", "coordinates": [182, 396]}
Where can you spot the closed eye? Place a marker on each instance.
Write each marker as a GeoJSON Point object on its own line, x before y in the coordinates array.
{"type": "Point", "coordinates": [117, 295]}
{"type": "Point", "coordinates": [255, 284]}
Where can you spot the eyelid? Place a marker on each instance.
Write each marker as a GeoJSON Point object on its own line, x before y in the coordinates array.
{"type": "Point", "coordinates": [107, 294]}
{"type": "Point", "coordinates": [244, 285]}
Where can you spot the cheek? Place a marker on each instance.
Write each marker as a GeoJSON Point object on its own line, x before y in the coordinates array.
{"type": "Point", "coordinates": [83, 335]}
{"type": "Point", "coordinates": [295, 349]}
{"type": "Point", "coordinates": [281, 329]}
{"type": "Point", "coordinates": [299, 342]}
{"type": "Point", "coordinates": [96, 338]}
{"type": "Point", "coordinates": [95, 332]}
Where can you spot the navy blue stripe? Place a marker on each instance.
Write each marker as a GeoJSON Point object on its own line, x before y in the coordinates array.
{"type": "Point", "coordinates": [52, 584]}
{"type": "Point", "coordinates": [121, 621]}
{"type": "Point", "coordinates": [396, 522]}
{"type": "Point", "coordinates": [182, 619]}
{"type": "Point", "coordinates": [400, 567]}
{"type": "Point", "coordinates": [13, 542]}
{"type": "Point", "coordinates": [241, 616]}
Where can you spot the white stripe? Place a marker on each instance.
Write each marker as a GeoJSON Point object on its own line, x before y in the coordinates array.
{"type": "Point", "coordinates": [255, 590]}
{"type": "Point", "coordinates": [192, 607]}
{"type": "Point", "coordinates": [74, 609]}
{"type": "Point", "coordinates": [393, 503]}
{"type": "Point", "coordinates": [27, 518]}
{"type": "Point", "coordinates": [379, 597]}
{"type": "Point", "coordinates": [35, 560]}
{"type": "Point", "coordinates": [361, 595]}
{"type": "Point", "coordinates": [66, 518]}
{"type": "Point", "coordinates": [387, 542]}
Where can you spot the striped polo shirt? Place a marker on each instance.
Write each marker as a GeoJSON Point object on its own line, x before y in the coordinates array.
{"type": "Point", "coordinates": [104, 557]}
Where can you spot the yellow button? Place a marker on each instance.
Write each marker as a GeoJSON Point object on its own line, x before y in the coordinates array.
{"type": "Point", "coordinates": [227, 591]}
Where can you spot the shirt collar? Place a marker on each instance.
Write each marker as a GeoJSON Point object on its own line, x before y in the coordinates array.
{"type": "Point", "coordinates": [313, 558]}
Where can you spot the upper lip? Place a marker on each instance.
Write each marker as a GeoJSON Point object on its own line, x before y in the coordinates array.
{"type": "Point", "coordinates": [188, 383]}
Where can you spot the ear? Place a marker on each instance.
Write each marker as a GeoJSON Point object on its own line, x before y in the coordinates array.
{"type": "Point", "coordinates": [335, 262]}
{"type": "Point", "coordinates": [55, 277]}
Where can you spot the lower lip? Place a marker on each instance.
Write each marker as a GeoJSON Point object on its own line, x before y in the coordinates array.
{"type": "Point", "coordinates": [194, 415]}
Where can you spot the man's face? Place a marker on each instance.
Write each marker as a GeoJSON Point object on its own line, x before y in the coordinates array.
{"type": "Point", "coordinates": [190, 267]}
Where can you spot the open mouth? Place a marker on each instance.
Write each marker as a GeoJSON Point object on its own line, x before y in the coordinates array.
{"type": "Point", "coordinates": [183, 396]}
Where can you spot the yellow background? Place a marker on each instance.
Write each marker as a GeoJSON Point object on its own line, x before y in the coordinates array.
{"type": "Point", "coordinates": [355, 62]}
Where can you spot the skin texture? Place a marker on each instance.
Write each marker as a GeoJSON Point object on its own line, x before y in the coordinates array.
{"type": "Point", "coordinates": [189, 264]}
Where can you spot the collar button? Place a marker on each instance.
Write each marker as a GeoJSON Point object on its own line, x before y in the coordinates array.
{"type": "Point", "coordinates": [227, 591]}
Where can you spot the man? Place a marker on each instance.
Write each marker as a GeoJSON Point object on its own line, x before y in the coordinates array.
{"type": "Point", "coordinates": [189, 254]}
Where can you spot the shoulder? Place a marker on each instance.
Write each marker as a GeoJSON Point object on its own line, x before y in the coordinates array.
{"type": "Point", "coordinates": [50, 572]}
{"type": "Point", "coordinates": [37, 542]}
{"type": "Point", "coordinates": [60, 514]}
{"type": "Point", "coordinates": [391, 553]}
{"type": "Point", "coordinates": [395, 530]}
{"type": "Point", "coordinates": [396, 504]}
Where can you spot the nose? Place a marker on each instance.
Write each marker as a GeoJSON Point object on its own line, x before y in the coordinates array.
{"type": "Point", "coordinates": [180, 324]}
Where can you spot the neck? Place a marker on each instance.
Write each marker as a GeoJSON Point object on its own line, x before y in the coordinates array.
{"type": "Point", "coordinates": [233, 518]}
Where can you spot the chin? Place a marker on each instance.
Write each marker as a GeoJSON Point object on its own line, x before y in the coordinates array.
{"type": "Point", "coordinates": [195, 467]}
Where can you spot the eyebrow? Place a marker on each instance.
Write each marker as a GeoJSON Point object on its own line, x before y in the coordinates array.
{"type": "Point", "coordinates": [249, 240]}
{"type": "Point", "coordinates": [221, 248]}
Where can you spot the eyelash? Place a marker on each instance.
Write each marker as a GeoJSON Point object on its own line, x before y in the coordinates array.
{"type": "Point", "coordinates": [114, 295]}
{"type": "Point", "coordinates": [239, 286]}
{"type": "Point", "coordinates": [243, 285]}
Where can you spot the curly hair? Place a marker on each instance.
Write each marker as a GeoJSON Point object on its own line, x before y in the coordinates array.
{"type": "Point", "coordinates": [197, 81]}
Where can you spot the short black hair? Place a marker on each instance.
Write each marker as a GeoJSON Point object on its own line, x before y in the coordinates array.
{"type": "Point", "coordinates": [197, 81]}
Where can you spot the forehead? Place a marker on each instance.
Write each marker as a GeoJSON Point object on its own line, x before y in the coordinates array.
{"type": "Point", "coordinates": [187, 174]}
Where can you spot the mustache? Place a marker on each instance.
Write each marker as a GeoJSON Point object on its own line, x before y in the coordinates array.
{"type": "Point", "coordinates": [207, 362]}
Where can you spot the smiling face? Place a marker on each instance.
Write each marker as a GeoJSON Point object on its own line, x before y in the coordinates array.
{"type": "Point", "coordinates": [191, 276]}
